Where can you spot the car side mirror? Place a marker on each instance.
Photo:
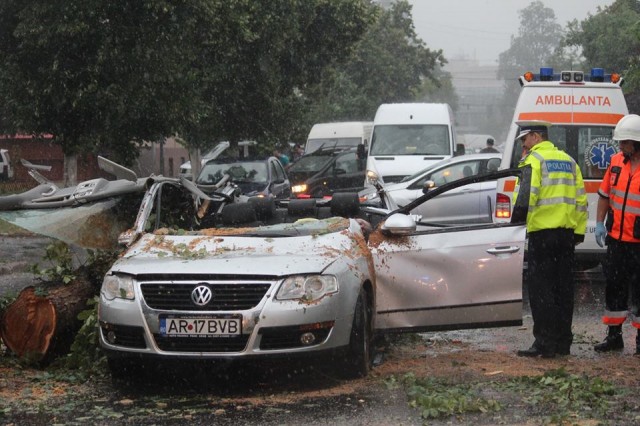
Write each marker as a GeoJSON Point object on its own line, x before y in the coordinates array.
{"type": "Point", "coordinates": [361, 152]}
{"type": "Point", "coordinates": [428, 186]}
{"type": "Point", "coordinates": [399, 224]}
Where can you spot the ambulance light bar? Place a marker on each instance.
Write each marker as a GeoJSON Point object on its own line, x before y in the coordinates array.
{"type": "Point", "coordinates": [572, 77]}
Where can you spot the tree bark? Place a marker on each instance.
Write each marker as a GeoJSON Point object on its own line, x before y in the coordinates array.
{"type": "Point", "coordinates": [70, 169]}
{"type": "Point", "coordinates": [40, 327]}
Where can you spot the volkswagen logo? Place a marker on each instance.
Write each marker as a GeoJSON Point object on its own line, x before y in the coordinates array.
{"type": "Point", "coordinates": [201, 295]}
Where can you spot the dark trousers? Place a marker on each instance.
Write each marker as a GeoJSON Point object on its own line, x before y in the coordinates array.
{"type": "Point", "coordinates": [550, 260]}
{"type": "Point", "coordinates": [622, 272]}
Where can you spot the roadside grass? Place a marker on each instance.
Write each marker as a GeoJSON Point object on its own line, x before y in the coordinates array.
{"type": "Point", "coordinates": [556, 397]}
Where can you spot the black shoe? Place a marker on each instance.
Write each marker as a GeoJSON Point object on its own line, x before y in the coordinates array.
{"type": "Point", "coordinates": [613, 342]}
{"type": "Point", "coordinates": [535, 351]}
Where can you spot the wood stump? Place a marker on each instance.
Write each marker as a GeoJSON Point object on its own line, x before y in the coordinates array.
{"type": "Point", "coordinates": [41, 324]}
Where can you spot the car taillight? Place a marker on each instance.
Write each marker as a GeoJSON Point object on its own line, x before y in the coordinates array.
{"type": "Point", "coordinates": [503, 206]}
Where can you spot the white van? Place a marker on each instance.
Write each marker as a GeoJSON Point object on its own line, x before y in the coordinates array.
{"type": "Point", "coordinates": [584, 109]}
{"type": "Point", "coordinates": [338, 135]}
{"type": "Point", "coordinates": [407, 137]}
{"type": "Point", "coordinates": [6, 171]}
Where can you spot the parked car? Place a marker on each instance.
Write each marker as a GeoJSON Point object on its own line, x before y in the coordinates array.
{"type": "Point", "coordinates": [255, 177]}
{"type": "Point", "coordinates": [304, 278]}
{"type": "Point", "coordinates": [473, 203]}
{"type": "Point", "coordinates": [325, 171]}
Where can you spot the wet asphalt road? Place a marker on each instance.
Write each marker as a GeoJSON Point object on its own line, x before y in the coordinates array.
{"type": "Point", "coordinates": [376, 407]}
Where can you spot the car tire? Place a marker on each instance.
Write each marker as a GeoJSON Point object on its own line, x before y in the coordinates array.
{"type": "Point", "coordinates": [358, 360]}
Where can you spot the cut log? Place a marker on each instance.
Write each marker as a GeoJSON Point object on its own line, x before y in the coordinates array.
{"type": "Point", "coordinates": [42, 326]}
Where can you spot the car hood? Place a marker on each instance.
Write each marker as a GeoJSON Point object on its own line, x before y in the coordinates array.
{"type": "Point", "coordinates": [170, 254]}
{"type": "Point", "coordinates": [396, 186]}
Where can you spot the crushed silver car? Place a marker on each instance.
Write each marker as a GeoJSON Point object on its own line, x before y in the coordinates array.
{"type": "Point", "coordinates": [256, 279]}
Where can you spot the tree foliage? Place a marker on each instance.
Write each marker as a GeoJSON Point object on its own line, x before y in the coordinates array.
{"type": "Point", "coordinates": [610, 39]}
{"type": "Point", "coordinates": [102, 76]}
{"type": "Point", "coordinates": [389, 64]}
{"type": "Point", "coordinates": [538, 37]}
{"type": "Point", "coordinates": [535, 46]}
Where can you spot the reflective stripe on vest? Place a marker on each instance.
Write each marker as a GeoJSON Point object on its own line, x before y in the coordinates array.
{"type": "Point", "coordinates": [623, 191]}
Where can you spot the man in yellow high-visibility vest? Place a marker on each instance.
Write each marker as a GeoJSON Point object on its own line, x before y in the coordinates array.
{"type": "Point", "coordinates": [556, 222]}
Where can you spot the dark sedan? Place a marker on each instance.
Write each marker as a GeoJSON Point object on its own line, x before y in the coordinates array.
{"type": "Point", "coordinates": [255, 177]}
{"type": "Point", "coordinates": [325, 171]}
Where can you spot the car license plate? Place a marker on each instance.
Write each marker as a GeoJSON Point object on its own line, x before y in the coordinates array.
{"type": "Point", "coordinates": [200, 326]}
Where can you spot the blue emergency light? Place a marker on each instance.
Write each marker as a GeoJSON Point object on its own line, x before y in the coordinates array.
{"type": "Point", "coordinates": [546, 74]}
{"type": "Point", "coordinates": [597, 74]}
{"type": "Point", "coordinates": [573, 77]}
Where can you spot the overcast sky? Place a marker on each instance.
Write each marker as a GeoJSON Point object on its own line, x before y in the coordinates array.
{"type": "Point", "coordinates": [481, 29]}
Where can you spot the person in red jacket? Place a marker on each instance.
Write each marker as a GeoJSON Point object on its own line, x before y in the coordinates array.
{"type": "Point", "coordinates": [619, 203]}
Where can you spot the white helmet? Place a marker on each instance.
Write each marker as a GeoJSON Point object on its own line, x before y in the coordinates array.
{"type": "Point", "coordinates": [628, 128]}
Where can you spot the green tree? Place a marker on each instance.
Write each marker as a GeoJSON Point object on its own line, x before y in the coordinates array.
{"type": "Point", "coordinates": [533, 47]}
{"type": "Point", "coordinates": [439, 89]}
{"type": "Point", "coordinates": [389, 64]}
{"type": "Point", "coordinates": [103, 76]}
{"type": "Point", "coordinates": [538, 37]}
{"type": "Point", "coordinates": [610, 39]}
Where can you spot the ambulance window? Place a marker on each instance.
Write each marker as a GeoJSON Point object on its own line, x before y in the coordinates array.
{"type": "Point", "coordinates": [595, 149]}
{"type": "Point", "coordinates": [590, 146]}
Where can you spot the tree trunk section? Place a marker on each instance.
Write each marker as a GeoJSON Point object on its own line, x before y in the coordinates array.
{"type": "Point", "coordinates": [41, 327]}
{"type": "Point", "coordinates": [70, 170]}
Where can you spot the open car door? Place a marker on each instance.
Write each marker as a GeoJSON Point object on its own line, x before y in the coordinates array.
{"type": "Point", "coordinates": [432, 276]}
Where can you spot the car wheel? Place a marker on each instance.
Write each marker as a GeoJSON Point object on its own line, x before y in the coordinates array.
{"type": "Point", "coordinates": [357, 362]}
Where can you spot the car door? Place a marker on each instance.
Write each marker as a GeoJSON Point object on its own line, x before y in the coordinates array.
{"type": "Point", "coordinates": [280, 185]}
{"type": "Point", "coordinates": [450, 277]}
{"type": "Point", "coordinates": [346, 174]}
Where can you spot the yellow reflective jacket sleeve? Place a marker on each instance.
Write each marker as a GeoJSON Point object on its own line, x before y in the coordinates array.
{"type": "Point", "coordinates": [558, 198]}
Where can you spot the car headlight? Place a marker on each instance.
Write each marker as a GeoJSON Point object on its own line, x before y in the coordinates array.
{"type": "Point", "coordinates": [372, 177]}
{"type": "Point", "coordinates": [299, 188]}
{"type": "Point", "coordinates": [120, 286]}
{"type": "Point", "coordinates": [307, 288]}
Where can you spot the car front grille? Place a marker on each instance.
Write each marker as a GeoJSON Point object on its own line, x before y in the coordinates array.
{"type": "Point", "coordinates": [201, 344]}
{"type": "Point", "coordinates": [176, 296]}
